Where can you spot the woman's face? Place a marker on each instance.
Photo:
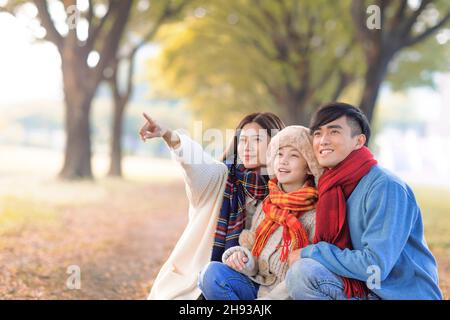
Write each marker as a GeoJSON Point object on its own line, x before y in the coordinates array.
{"type": "Point", "coordinates": [252, 145]}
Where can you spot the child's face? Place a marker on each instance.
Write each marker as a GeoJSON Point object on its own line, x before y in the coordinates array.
{"type": "Point", "coordinates": [290, 166]}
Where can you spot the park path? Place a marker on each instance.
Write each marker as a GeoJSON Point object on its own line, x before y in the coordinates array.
{"type": "Point", "coordinates": [119, 244]}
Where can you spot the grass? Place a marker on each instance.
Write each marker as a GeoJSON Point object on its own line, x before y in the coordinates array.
{"type": "Point", "coordinates": [435, 206]}
{"type": "Point", "coordinates": [16, 212]}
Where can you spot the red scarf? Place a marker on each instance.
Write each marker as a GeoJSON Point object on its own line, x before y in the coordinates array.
{"type": "Point", "coordinates": [335, 187]}
{"type": "Point", "coordinates": [283, 210]}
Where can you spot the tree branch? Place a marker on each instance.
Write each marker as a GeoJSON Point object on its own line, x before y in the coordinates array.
{"type": "Point", "coordinates": [167, 13]}
{"type": "Point", "coordinates": [256, 21]}
{"type": "Point", "coordinates": [359, 18]}
{"type": "Point", "coordinates": [7, 10]}
{"type": "Point", "coordinates": [413, 40]}
{"type": "Point", "coordinates": [113, 80]}
{"type": "Point", "coordinates": [112, 39]}
{"type": "Point", "coordinates": [94, 31]}
{"type": "Point", "coordinates": [254, 43]}
{"type": "Point", "coordinates": [90, 15]}
{"type": "Point", "coordinates": [344, 80]}
{"type": "Point", "coordinates": [154, 28]}
{"type": "Point", "coordinates": [400, 14]}
{"type": "Point", "coordinates": [52, 33]}
{"type": "Point", "coordinates": [131, 69]}
{"type": "Point", "coordinates": [406, 26]}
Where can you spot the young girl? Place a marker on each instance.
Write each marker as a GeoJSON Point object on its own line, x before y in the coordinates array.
{"type": "Point", "coordinates": [283, 222]}
{"type": "Point", "coordinates": [222, 196]}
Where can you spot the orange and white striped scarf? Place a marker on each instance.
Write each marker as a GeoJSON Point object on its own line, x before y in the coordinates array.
{"type": "Point", "coordinates": [283, 210]}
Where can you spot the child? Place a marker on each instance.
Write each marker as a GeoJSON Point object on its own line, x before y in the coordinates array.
{"type": "Point", "coordinates": [283, 222]}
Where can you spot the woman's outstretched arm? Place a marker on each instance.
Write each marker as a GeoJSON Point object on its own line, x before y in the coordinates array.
{"type": "Point", "coordinates": [201, 172]}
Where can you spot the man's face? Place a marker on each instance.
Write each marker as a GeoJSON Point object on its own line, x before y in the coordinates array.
{"type": "Point", "coordinates": [333, 142]}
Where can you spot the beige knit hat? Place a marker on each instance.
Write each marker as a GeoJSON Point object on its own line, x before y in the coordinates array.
{"type": "Point", "coordinates": [299, 138]}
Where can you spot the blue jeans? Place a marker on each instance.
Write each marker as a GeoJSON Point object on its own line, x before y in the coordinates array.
{"type": "Point", "coordinates": [217, 281]}
{"type": "Point", "coordinates": [307, 279]}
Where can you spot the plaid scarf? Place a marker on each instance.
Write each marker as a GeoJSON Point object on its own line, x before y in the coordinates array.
{"type": "Point", "coordinates": [241, 183]}
{"type": "Point", "coordinates": [335, 187]}
{"type": "Point", "coordinates": [283, 210]}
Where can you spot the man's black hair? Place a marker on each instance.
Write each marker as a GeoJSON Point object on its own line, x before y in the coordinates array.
{"type": "Point", "coordinates": [334, 110]}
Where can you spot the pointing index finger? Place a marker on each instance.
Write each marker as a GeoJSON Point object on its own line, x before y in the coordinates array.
{"type": "Point", "coordinates": [147, 117]}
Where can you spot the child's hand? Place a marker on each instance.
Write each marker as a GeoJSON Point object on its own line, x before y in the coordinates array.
{"type": "Point", "coordinates": [237, 260]}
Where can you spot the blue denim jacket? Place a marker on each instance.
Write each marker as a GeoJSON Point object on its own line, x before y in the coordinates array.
{"type": "Point", "coordinates": [388, 241]}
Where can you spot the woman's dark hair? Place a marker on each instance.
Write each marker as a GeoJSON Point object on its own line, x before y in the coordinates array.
{"type": "Point", "coordinates": [267, 120]}
{"type": "Point", "coordinates": [334, 110]}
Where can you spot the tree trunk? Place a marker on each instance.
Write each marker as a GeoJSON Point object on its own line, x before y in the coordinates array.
{"type": "Point", "coordinates": [78, 92]}
{"type": "Point", "coordinates": [296, 111]}
{"type": "Point", "coordinates": [77, 159]}
{"type": "Point", "coordinates": [80, 80]}
{"type": "Point", "coordinates": [115, 169]}
{"type": "Point", "coordinates": [372, 82]}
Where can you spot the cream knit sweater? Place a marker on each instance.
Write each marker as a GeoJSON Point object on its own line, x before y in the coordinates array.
{"type": "Point", "coordinates": [205, 180]}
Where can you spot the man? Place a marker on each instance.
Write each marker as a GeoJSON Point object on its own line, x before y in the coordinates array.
{"type": "Point", "coordinates": [369, 240]}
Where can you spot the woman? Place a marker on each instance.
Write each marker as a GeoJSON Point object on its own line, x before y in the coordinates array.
{"type": "Point", "coordinates": [222, 198]}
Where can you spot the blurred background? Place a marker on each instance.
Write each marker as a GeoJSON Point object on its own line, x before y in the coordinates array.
{"type": "Point", "coordinates": [79, 188]}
